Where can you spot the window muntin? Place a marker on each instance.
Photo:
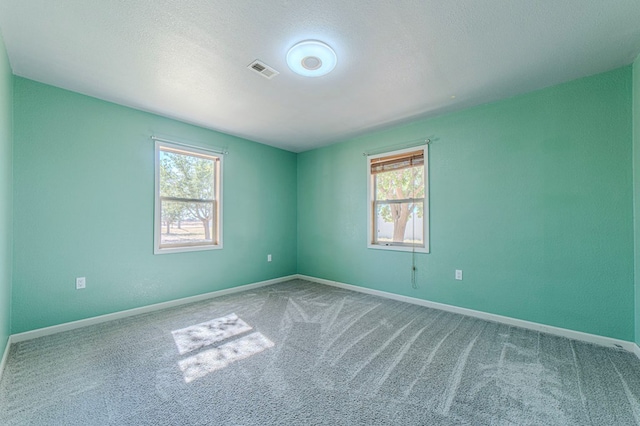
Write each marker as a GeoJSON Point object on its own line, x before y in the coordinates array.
{"type": "Point", "coordinates": [398, 200]}
{"type": "Point", "coordinates": [188, 199]}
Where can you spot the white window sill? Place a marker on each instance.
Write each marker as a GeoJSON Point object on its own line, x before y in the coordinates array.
{"type": "Point", "coordinates": [398, 248]}
{"type": "Point", "coordinates": [168, 250]}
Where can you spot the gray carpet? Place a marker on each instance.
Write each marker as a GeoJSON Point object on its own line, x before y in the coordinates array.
{"type": "Point", "coordinates": [299, 353]}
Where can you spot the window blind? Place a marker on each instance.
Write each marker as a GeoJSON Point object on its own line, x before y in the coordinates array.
{"type": "Point", "coordinates": [397, 162]}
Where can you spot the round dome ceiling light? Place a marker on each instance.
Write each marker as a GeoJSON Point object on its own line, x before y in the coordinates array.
{"type": "Point", "coordinates": [311, 58]}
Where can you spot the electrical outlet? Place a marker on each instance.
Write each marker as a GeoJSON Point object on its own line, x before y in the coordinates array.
{"type": "Point", "coordinates": [268, 258]}
{"type": "Point", "coordinates": [81, 282]}
{"type": "Point", "coordinates": [459, 274]}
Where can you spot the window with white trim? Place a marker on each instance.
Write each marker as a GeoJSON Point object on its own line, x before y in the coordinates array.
{"type": "Point", "coordinates": [398, 200]}
{"type": "Point", "coordinates": [188, 199]}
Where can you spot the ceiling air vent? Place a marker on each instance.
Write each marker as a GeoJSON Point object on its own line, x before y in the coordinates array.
{"type": "Point", "coordinates": [263, 69]}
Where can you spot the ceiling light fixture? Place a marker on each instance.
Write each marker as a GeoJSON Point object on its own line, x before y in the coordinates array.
{"type": "Point", "coordinates": [311, 58]}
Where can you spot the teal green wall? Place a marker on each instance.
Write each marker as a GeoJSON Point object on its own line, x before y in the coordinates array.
{"type": "Point", "coordinates": [636, 190]}
{"type": "Point", "coordinates": [84, 183]}
{"type": "Point", "coordinates": [531, 197]}
{"type": "Point", "coordinates": [6, 194]}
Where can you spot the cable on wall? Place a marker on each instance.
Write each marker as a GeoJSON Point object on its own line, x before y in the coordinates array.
{"type": "Point", "coordinates": [414, 282]}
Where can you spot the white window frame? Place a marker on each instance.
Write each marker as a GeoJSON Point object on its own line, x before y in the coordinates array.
{"type": "Point", "coordinates": [371, 203]}
{"type": "Point", "coordinates": [157, 226]}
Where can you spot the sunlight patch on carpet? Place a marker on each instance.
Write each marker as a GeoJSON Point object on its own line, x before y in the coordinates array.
{"type": "Point", "coordinates": [208, 361]}
{"type": "Point", "coordinates": [207, 333]}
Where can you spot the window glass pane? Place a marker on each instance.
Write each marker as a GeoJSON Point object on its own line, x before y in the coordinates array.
{"type": "Point", "coordinates": [398, 204]}
{"type": "Point", "coordinates": [399, 223]}
{"type": "Point", "coordinates": [188, 203]}
{"type": "Point", "coordinates": [186, 176]}
{"type": "Point", "coordinates": [186, 222]}
{"type": "Point", "coordinates": [400, 184]}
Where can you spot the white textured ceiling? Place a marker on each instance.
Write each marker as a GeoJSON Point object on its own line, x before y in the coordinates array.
{"type": "Point", "coordinates": [397, 60]}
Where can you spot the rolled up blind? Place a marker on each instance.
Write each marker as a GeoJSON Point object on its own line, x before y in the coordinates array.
{"type": "Point", "coordinates": [397, 162]}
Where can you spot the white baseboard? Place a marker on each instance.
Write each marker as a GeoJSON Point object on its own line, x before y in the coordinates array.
{"type": "Point", "coordinates": [5, 355]}
{"type": "Point", "coordinates": [28, 335]}
{"type": "Point", "coordinates": [563, 332]}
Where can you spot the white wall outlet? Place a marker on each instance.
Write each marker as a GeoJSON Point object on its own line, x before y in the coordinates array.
{"type": "Point", "coordinates": [268, 258]}
{"type": "Point", "coordinates": [81, 282]}
{"type": "Point", "coordinates": [459, 274]}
